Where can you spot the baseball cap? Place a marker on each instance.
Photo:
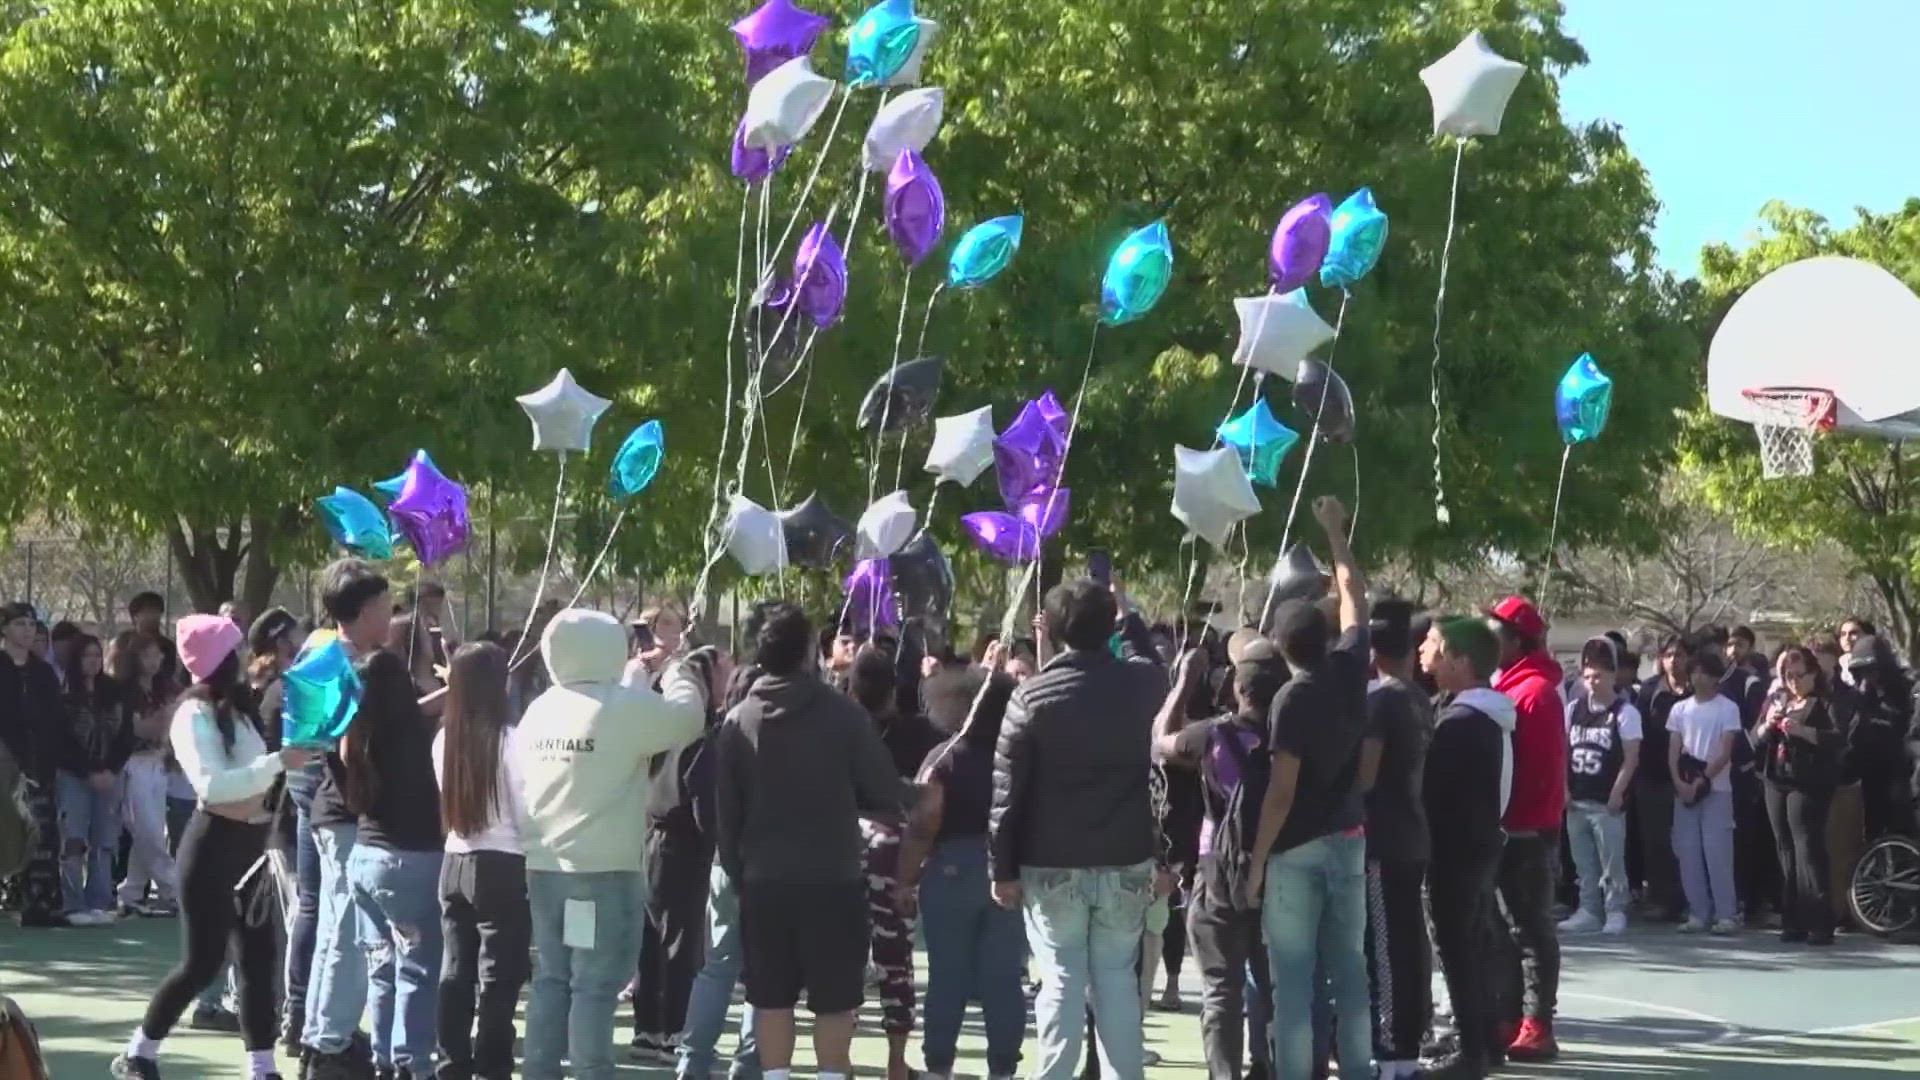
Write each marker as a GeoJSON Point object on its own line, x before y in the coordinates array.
{"type": "Point", "coordinates": [205, 642]}
{"type": "Point", "coordinates": [1862, 653]}
{"type": "Point", "coordinates": [268, 627]}
{"type": "Point", "coordinates": [1519, 613]}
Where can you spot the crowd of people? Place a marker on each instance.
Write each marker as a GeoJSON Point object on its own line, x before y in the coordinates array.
{"type": "Point", "coordinates": [1319, 810]}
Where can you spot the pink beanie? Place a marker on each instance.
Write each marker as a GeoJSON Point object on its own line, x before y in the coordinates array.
{"type": "Point", "coordinates": [205, 641]}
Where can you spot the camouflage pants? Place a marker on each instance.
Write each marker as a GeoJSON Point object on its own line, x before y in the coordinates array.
{"type": "Point", "coordinates": [891, 942]}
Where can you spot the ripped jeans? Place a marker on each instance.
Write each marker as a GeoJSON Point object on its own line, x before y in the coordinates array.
{"type": "Point", "coordinates": [396, 898]}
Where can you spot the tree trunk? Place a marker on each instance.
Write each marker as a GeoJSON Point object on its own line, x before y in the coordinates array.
{"type": "Point", "coordinates": [212, 559]}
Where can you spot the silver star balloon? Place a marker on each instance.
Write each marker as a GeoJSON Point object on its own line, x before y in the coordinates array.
{"type": "Point", "coordinates": [563, 414]}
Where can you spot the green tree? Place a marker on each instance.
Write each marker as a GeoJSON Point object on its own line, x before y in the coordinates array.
{"type": "Point", "coordinates": [404, 216]}
{"type": "Point", "coordinates": [1864, 496]}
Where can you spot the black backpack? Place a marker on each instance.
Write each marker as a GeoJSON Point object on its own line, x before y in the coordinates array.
{"type": "Point", "coordinates": [1226, 870]}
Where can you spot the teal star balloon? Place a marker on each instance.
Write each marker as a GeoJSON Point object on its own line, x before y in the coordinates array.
{"type": "Point", "coordinates": [1261, 441]}
{"type": "Point", "coordinates": [1137, 275]}
{"type": "Point", "coordinates": [637, 462]}
{"type": "Point", "coordinates": [1582, 400]}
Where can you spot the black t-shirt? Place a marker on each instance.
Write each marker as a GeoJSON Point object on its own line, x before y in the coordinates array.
{"type": "Point", "coordinates": [1220, 774]}
{"type": "Point", "coordinates": [1319, 717]}
{"type": "Point", "coordinates": [330, 795]}
{"type": "Point", "coordinates": [1402, 719]}
{"type": "Point", "coordinates": [1656, 703]}
{"type": "Point", "coordinates": [966, 785]}
{"type": "Point", "coordinates": [405, 815]}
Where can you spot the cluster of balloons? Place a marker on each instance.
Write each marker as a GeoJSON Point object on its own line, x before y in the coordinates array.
{"type": "Point", "coordinates": [425, 508]}
{"type": "Point", "coordinates": [1028, 458]}
{"type": "Point", "coordinates": [322, 694]}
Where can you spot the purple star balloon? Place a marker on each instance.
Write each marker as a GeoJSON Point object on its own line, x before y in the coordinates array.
{"type": "Point", "coordinates": [1300, 243]}
{"type": "Point", "coordinates": [1002, 535]}
{"type": "Point", "coordinates": [1045, 510]}
{"type": "Point", "coordinates": [750, 163]}
{"type": "Point", "coordinates": [820, 276]}
{"type": "Point", "coordinates": [775, 33]}
{"type": "Point", "coordinates": [1053, 414]}
{"type": "Point", "coordinates": [915, 209]}
{"type": "Point", "coordinates": [431, 512]}
{"type": "Point", "coordinates": [870, 603]}
{"type": "Point", "coordinates": [1028, 455]}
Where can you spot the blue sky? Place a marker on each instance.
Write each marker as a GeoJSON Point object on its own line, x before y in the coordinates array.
{"type": "Point", "coordinates": [1731, 103]}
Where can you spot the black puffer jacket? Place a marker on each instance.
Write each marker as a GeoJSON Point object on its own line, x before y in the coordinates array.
{"type": "Point", "coordinates": [1070, 777]}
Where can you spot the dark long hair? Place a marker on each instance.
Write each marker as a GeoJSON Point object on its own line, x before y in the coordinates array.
{"type": "Point", "coordinates": [476, 717]}
{"type": "Point", "coordinates": [227, 692]}
{"type": "Point", "coordinates": [76, 681]}
{"type": "Point", "coordinates": [386, 702]}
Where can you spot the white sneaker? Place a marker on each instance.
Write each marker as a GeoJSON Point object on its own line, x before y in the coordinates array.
{"type": "Point", "coordinates": [1693, 926]}
{"type": "Point", "coordinates": [105, 918]}
{"type": "Point", "coordinates": [85, 918]}
{"type": "Point", "coordinates": [1616, 924]}
{"type": "Point", "coordinates": [1149, 1058]}
{"type": "Point", "coordinates": [1582, 922]}
{"type": "Point", "coordinates": [1725, 927]}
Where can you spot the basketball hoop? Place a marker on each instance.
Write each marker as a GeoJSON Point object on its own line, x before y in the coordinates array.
{"type": "Point", "coordinates": [1786, 419]}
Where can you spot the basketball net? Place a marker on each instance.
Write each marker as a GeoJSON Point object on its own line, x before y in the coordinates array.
{"type": "Point", "coordinates": [1786, 419]}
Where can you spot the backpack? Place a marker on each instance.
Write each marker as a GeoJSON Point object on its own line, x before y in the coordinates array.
{"type": "Point", "coordinates": [1228, 867]}
{"type": "Point", "coordinates": [19, 1045]}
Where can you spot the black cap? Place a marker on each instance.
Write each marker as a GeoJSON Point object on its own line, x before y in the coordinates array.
{"type": "Point", "coordinates": [268, 627]}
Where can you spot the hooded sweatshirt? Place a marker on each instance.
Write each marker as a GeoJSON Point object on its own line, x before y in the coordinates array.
{"type": "Point", "coordinates": [1470, 778]}
{"type": "Point", "coordinates": [797, 764]}
{"type": "Point", "coordinates": [582, 749]}
{"type": "Point", "coordinates": [1539, 798]}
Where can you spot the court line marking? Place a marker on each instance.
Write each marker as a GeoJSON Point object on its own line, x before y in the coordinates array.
{"type": "Point", "coordinates": [1729, 1031]}
{"type": "Point", "coordinates": [1848, 1029]}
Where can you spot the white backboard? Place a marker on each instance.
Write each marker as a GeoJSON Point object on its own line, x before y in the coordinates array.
{"type": "Point", "coordinates": [1829, 323]}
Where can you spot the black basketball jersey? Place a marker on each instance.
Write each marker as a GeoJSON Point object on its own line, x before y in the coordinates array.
{"type": "Point", "coordinates": [1595, 751]}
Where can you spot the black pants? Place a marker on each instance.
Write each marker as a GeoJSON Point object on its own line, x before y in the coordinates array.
{"type": "Point", "coordinates": [1226, 943]}
{"type": "Point", "coordinates": [215, 853]}
{"type": "Point", "coordinates": [1756, 858]}
{"type": "Point", "coordinates": [37, 887]}
{"type": "Point", "coordinates": [1399, 958]}
{"type": "Point", "coordinates": [1461, 899]}
{"type": "Point", "coordinates": [673, 943]}
{"type": "Point", "coordinates": [1525, 911]}
{"type": "Point", "coordinates": [1653, 809]}
{"type": "Point", "coordinates": [486, 933]}
{"type": "Point", "coordinates": [1173, 943]}
{"type": "Point", "coordinates": [1799, 817]}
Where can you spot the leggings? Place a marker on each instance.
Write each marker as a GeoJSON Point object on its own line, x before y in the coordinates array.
{"type": "Point", "coordinates": [215, 853]}
{"type": "Point", "coordinates": [1800, 833]}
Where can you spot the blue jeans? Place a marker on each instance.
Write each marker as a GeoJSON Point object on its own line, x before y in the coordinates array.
{"type": "Point", "coordinates": [396, 899]}
{"type": "Point", "coordinates": [1085, 926]}
{"type": "Point", "coordinates": [337, 994]}
{"type": "Point", "coordinates": [1314, 917]}
{"type": "Point", "coordinates": [89, 839]}
{"type": "Point", "coordinates": [570, 1013]}
{"type": "Point", "coordinates": [712, 992]}
{"type": "Point", "coordinates": [976, 951]}
{"type": "Point", "coordinates": [306, 913]}
{"type": "Point", "coordinates": [1598, 840]}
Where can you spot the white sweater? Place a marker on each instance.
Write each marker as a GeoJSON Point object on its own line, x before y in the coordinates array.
{"type": "Point", "coordinates": [221, 774]}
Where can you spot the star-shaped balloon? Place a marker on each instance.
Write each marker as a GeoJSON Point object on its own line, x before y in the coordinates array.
{"type": "Point", "coordinates": [907, 122]}
{"type": "Point", "coordinates": [1211, 493]}
{"type": "Point", "coordinates": [880, 42]}
{"type": "Point", "coordinates": [1300, 243]}
{"type": "Point", "coordinates": [870, 603]}
{"type": "Point", "coordinates": [431, 512]}
{"type": "Point", "coordinates": [1277, 332]}
{"type": "Point", "coordinates": [962, 446]}
{"type": "Point", "coordinates": [909, 73]}
{"type": "Point", "coordinates": [815, 534]}
{"type": "Point", "coordinates": [1261, 441]}
{"type": "Point", "coordinates": [819, 276]}
{"type": "Point", "coordinates": [903, 397]}
{"type": "Point", "coordinates": [356, 524]}
{"type": "Point", "coordinates": [1045, 510]}
{"type": "Point", "coordinates": [753, 163]}
{"type": "Point", "coordinates": [637, 461]}
{"type": "Point", "coordinates": [775, 33]}
{"type": "Point", "coordinates": [915, 209]}
{"type": "Point", "coordinates": [1582, 400]}
{"type": "Point", "coordinates": [1030, 453]}
{"type": "Point", "coordinates": [1470, 87]}
{"type": "Point", "coordinates": [1137, 275]}
{"type": "Point", "coordinates": [885, 528]}
{"type": "Point", "coordinates": [754, 536]}
{"type": "Point", "coordinates": [983, 251]}
{"type": "Point", "coordinates": [1002, 535]}
{"type": "Point", "coordinates": [389, 488]}
{"type": "Point", "coordinates": [1322, 394]}
{"type": "Point", "coordinates": [322, 694]}
{"type": "Point", "coordinates": [785, 105]}
{"type": "Point", "coordinates": [563, 414]}
{"type": "Point", "coordinates": [1359, 234]}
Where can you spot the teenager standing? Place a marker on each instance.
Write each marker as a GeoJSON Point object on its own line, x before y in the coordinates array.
{"type": "Point", "coordinates": [1399, 951]}
{"type": "Point", "coordinates": [1703, 730]}
{"type": "Point", "coordinates": [88, 786]}
{"type": "Point", "coordinates": [1799, 745]}
{"type": "Point", "coordinates": [1603, 736]}
{"type": "Point", "coordinates": [224, 756]}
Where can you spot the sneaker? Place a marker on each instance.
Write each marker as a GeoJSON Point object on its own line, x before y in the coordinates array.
{"type": "Point", "coordinates": [652, 1048]}
{"type": "Point", "coordinates": [1458, 1065]}
{"type": "Point", "coordinates": [87, 918]}
{"type": "Point", "coordinates": [1169, 1001]}
{"type": "Point", "coordinates": [160, 909]}
{"type": "Point", "coordinates": [104, 918]}
{"type": "Point", "coordinates": [1616, 924]}
{"type": "Point", "coordinates": [1726, 926]}
{"type": "Point", "coordinates": [1694, 926]}
{"type": "Point", "coordinates": [348, 1064]}
{"type": "Point", "coordinates": [134, 1068]}
{"type": "Point", "coordinates": [1582, 922]}
{"type": "Point", "coordinates": [1534, 1043]}
{"type": "Point", "coordinates": [1149, 1058]}
{"type": "Point", "coordinates": [214, 1018]}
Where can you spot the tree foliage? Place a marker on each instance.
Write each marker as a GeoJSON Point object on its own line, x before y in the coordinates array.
{"type": "Point", "coordinates": [1864, 496]}
{"type": "Point", "coordinates": [254, 248]}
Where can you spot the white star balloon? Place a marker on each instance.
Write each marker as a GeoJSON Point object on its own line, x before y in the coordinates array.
{"type": "Point", "coordinates": [1277, 332]}
{"type": "Point", "coordinates": [785, 105]}
{"type": "Point", "coordinates": [563, 414]}
{"type": "Point", "coordinates": [962, 446]}
{"type": "Point", "coordinates": [754, 536]}
{"type": "Point", "coordinates": [908, 122]}
{"type": "Point", "coordinates": [1211, 492]}
{"type": "Point", "coordinates": [1470, 87]}
{"type": "Point", "coordinates": [885, 528]}
{"type": "Point", "coordinates": [909, 73]}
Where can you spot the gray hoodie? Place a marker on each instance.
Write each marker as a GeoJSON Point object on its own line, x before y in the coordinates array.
{"type": "Point", "coordinates": [797, 763]}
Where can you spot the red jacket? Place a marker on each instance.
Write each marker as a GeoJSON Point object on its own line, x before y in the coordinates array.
{"type": "Point", "coordinates": [1539, 799]}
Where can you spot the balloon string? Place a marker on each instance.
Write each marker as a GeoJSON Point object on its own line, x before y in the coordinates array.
{"type": "Point", "coordinates": [880, 435]}
{"type": "Point", "coordinates": [1246, 369]}
{"type": "Point", "coordinates": [900, 463]}
{"type": "Point", "coordinates": [800, 203]}
{"type": "Point", "coordinates": [793, 303]}
{"type": "Point", "coordinates": [553, 533]}
{"type": "Point", "coordinates": [1313, 440]}
{"type": "Point", "coordinates": [594, 568]}
{"type": "Point", "coordinates": [793, 444]}
{"type": "Point", "coordinates": [1553, 530]}
{"type": "Point", "coordinates": [1246, 556]}
{"type": "Point", "coordinates": [708, 535]}
{"type": "Point", "coordinates": [920, 348]}
{"type": "Point", "coordinates": [1353, 520]}
{"type": "Point", "coordinates": [933, 500]}
{"type": "Point", "coordinates": [1440, 512]}
{"type": "Point", "coordinates": [1190, 544]}
{"type": "Point", "coordinates": [1066, 451]}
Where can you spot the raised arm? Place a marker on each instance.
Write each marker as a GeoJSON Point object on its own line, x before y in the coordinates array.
{"type": "Point", "coordinates": [1172, 717]}
{"type": "Point", "coordinates": [1347, 578]}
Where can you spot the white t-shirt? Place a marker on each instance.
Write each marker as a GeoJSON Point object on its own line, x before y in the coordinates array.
{"type": "Point", "coordinates": [1700, 724]}
{"type": "Point", "coordinates": [503, 825]}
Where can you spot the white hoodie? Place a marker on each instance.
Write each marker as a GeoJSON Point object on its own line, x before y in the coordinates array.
{"type": "Point", "coordinates": [1497, 707]}
{"type": "Point", "coordinates": [582, 748]}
